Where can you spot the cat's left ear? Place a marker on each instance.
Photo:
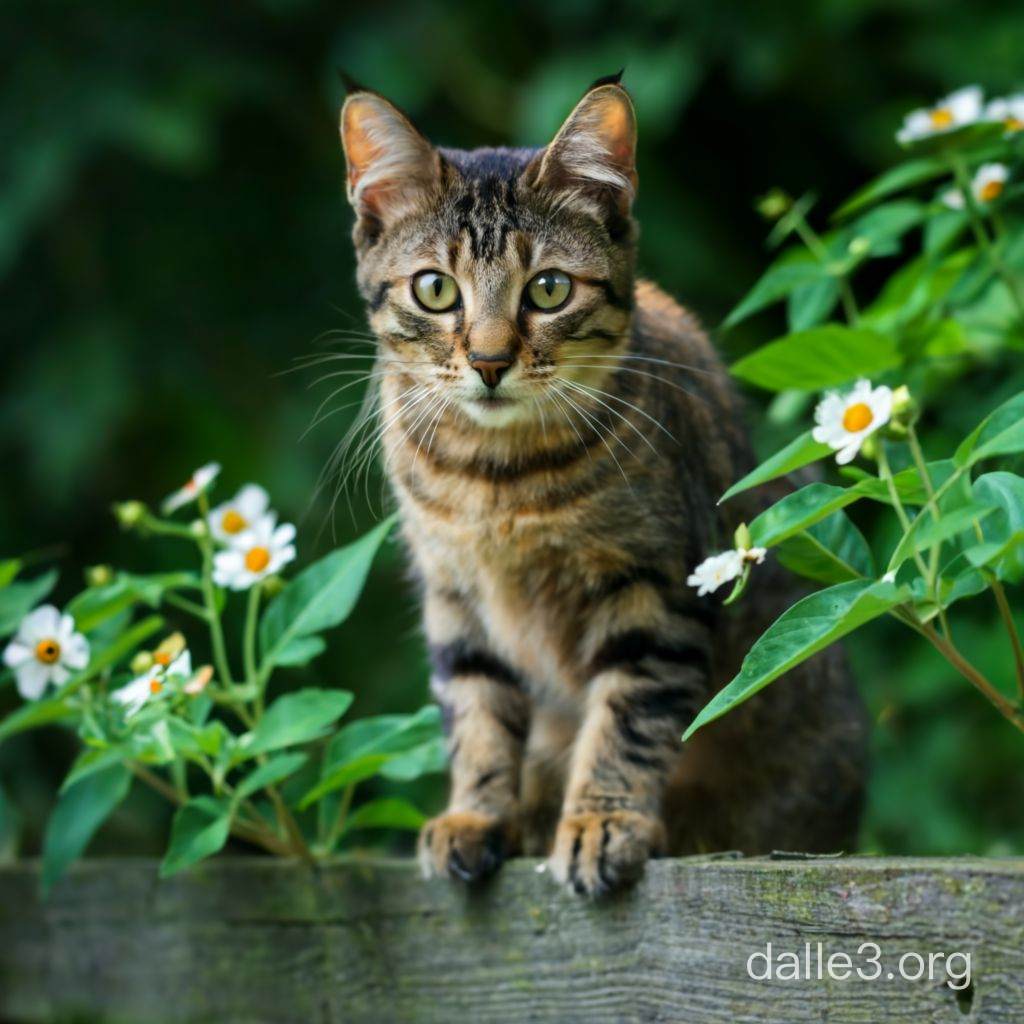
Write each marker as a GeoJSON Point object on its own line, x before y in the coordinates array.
{"type": "Point", "coordinates": [594, 152]}
{"type": "Point", "coordinates": [391, 166]}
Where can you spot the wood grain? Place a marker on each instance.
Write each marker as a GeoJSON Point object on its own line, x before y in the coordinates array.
{"type": "Point", "coordinates": [253, 941]}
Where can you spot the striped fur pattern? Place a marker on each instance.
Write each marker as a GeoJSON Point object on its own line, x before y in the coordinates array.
{"type": "Point", "coordinates": [552, 520]}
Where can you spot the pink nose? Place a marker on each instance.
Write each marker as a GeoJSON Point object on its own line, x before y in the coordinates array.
{"type": "Point", "coordinates": [490, 368]}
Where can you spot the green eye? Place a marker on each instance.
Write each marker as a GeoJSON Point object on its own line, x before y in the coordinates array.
{"type": "Point", "coordinates": [434, 291]}
{"type": "Point", "coordinates": [549, 290]}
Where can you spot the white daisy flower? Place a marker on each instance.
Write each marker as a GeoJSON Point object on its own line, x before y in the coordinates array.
{"type": "Point", "coordinates": [986, 187]}
{"type": "Point", "coordinates": [46, 649]}
{"type": "Point", "coordinates": [200, 480]}
{"type": "Point", "coordinates": [233, 517]}
{"type": "Point", "coordinates": [715, 572]}
{"type": "Point", "coordinates": [140, 690]}
{"type": "Point", "coordinates": [255, 554]}
{"type": "Point", "coordinates": [844, 421]}
{"type": "Point", "coordinates": [1009, 110]}
{"type": "Point", "coordinates": [956, 110]}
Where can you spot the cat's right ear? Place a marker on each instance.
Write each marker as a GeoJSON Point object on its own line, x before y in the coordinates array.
{"type": "Point", "coordinates": [391, 166]}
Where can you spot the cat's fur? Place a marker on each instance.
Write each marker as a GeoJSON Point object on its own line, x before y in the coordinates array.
{"type": "Point", "coordinates": [553, 532]}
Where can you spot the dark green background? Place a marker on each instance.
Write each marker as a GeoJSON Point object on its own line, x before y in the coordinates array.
{"type": "Point", "coordinates": [173, 234]}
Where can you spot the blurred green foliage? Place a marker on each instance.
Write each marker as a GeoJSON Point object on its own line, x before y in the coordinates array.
{"type": "Point", "coordinates": [173, 233]}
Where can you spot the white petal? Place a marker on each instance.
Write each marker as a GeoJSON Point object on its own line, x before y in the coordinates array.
{"type": "Point", "coordinates": [59, 674]}
{"type": "Point", "coordinates": [252, 501]}
{"type": "Point", "coordinates": [182, 665]}
{"type": "Point", "coordinates": [284, 534]}
{"type": "Point", "coordinates": [965, 103]}
{"type": "Point", "coordinates": [849, 453]}
{"type": "Point", "coordinates": [31, 679]}
{"type": "Point", "coordinates": [880, 404]}
{"type": "Point", "coordinates": [67, 629]}
{"type": "Point", "coordinates": [16, 653]}
{"type": "Point", "coordinates": [41, 624]}
{"type": "Point", "coordinates": [74, 652]}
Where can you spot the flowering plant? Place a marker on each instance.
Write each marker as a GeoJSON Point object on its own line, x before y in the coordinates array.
{"type": "Point", "coordinates": [280, 775]}
{"type": "Point", "coordinates": [935, 247]}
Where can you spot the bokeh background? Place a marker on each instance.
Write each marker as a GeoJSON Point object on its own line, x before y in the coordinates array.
{"type": "Point", "coordinates": [173, 235]}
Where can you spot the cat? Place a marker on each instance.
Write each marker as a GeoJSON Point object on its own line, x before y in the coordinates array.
{"type": "Point", "coordinates": [558, 435]}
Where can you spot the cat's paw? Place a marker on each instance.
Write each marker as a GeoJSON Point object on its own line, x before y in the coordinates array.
{"type": "Point", "coordinates": [599, 852]}
{"type": "Point", "coordinates": [463, 844]}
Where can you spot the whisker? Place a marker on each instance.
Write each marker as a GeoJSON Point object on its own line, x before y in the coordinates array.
{"type": "Point", "coordinates": [594, 392]}
{"type": "Point", "coordinates": [604, 440]}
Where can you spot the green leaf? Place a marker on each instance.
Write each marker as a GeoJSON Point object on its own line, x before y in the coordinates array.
{"type": "Point", "coordinates": [200, 829]}
{"type": "Point", "coordinates": [925, 531]}
{"type": "Point", "coordinates": [300, 651]}
{"type": "Point", "coordinates": [832, 551]}
{"type": "Point", "coordinates": [388, 812]}
{"type": "Point", "coordinates": [800, 452]}
{"type": "Point", "coordinates": [296, 718]}
{"type": "Point", "coordinates": [80, 811]}
{"type": "Point", "coordinates": [349, 774]}
{"type": "Point", "coordinates": [819, 358]}
{"type": "Point", "coordinates": [896, 179]}
{"type": "Point", "coordinates": [9, 569]}
{"type": "Point", "coordinates": [1004, 528]}
{"type": "Point", "coordinates": [886, 224]}
{"type": "Point", "coordinates": [1000, 433]}
{"type": "Point", "coordinates": [426, 759]}
{"type": "Point", "coordinates": [91, 760]}
{"type": "Point", "coordinates": [808, 627]}
{"type": "Point", "coordinates": [321, 596]}
{"type": "Point", "coordinates": [799, 510]}
{"type": "Point", "coordinates": [943, 228]}
{"type": "Point", "coordinates": [276, 769]}
{"type": "Point", "coordinates": [795, 268]}
{"type": "Point", "coordinates": [18, 599]}
{"type": "Point", "coordinates": [811, 304]}
{"type": "Point", "coordinates": [36, 713]}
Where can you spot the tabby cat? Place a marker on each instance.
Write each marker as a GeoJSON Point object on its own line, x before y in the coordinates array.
{"type": "Point", "coordinates": [558, 435]}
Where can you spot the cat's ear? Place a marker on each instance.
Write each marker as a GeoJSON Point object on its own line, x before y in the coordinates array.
{"type": "Point", "coordinates": [391, 166]}
{"type": "Point", "coordinates": [594, 152]}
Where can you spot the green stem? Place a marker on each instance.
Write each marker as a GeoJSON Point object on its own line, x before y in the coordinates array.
{"type": "Point", "coordinates": [186, 605]}
{"type": "Point", "coordinates": [1006, 614]}
{"type": "Point", "coordinates": [251, 619]}
{"type": "Point", "coordinates": [897, 504]}
{"type": "Point", "coordinates": [1005, 707]}
{"type": "Point", "coordinates": [810, 238]}
{"type": "Point", "coordinates": [933, 578]}
{"type": "Point", "coordinates": [339, 822]}
{"type": "Point", "coordinates": [981, 235]}
{"type": "Point", "coordinates": [1011, 628]}
{"type": "Point", "coordinates": [220, 654]}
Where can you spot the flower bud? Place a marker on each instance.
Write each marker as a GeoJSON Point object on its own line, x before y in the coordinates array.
{"type": "Point", "coordinates": [198, 528]}
{"type": "Point", "coordinates": [273, 585]}
{"type": "Point", "coordinates": [129, 513]}
{"type": "Point", "coordinates": [859, 246]}
{"type": "Point", "coordinates": [741, 538]}
{"type": "Point", "coordinates": [142, 662]}
{"type": "Point", "coordinates": [98, 575]}
{"type": "Point", "coordinates": [774, 204]}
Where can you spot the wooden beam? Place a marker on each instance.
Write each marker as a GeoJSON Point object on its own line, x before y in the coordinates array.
{"type": "Point", "coordinates": [261, 940]}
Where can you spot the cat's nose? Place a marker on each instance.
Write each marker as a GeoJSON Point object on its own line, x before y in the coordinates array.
{"type": "Point", "coordinates": [490, 367]}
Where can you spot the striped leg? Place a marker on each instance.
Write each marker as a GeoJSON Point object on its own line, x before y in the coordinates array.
{"type": "Point", "coordinates": [486, 713]}
{"type": "Point", "coordinates": [646, 686]}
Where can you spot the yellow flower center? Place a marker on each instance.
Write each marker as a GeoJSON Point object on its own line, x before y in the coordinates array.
{"type": "Point", "coordinates": [942, 117]}
{"type": "Point", "coordinates": [233, 522]}
{"type": "Point", "coordinates": [155, 686]}
{"type": "Point", "coordinates": [990, 191]}
{"type": "Point", "coordinates": [162, 658]}
{"type": "Point", "coordinates": [857, 418]}
{"type": "Point", "coordinates": [1014, 124]}
{"type": "Point", "coordinates": [47, 651]}
{"type": "Point", "coordinates": [257, 559]}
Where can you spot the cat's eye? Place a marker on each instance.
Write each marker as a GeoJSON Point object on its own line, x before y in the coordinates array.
{"type": "Point", "coordinates": [549, 290]}
{"type": "Point", "coordinates": [435, 292]}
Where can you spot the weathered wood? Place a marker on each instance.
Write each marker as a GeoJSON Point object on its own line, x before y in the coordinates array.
{"type": "Point", "coordinates": [253, 941]}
